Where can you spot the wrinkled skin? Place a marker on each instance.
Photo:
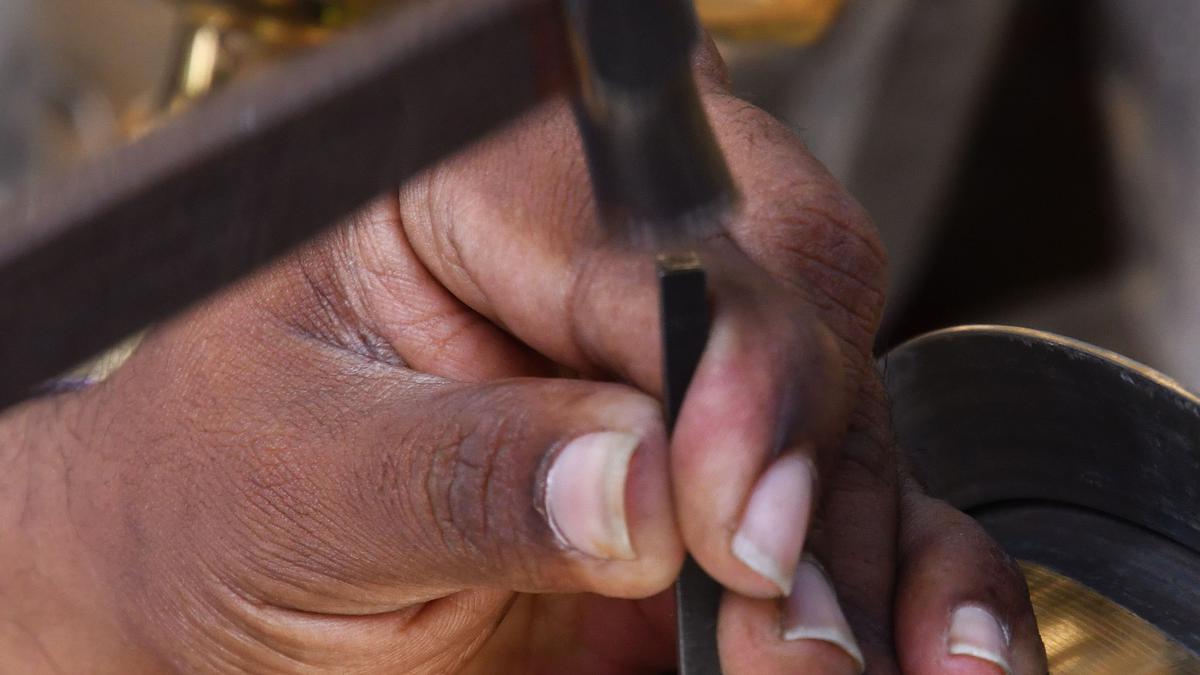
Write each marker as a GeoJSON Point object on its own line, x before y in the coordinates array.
{"type": "Point", "coordinates": [337, 465]}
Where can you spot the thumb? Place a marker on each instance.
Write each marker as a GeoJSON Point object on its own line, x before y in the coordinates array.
{"type": "Point", "coordinates": [330, 481]}
{"type": "Point", "coordinates": [528, 485]}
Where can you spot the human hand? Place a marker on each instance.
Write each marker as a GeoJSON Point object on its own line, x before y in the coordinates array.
{"type": "Point", "coordinates": [369, 457]}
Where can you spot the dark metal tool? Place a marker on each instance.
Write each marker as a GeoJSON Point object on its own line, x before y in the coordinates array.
{"type": "Point", "coordinates": [1071, 456]}
{"type": "Point", "coordinates": [661, 184]}
{"type": "Point", "coordinates": [93, 256]}
{"type": "Point", "coordinates": [659, 176]}
{"type": "Point", "coordinates": [684, 316]}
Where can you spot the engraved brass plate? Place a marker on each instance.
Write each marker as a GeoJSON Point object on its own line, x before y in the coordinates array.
{"type": "Point", "coordinates": [1086, 633]}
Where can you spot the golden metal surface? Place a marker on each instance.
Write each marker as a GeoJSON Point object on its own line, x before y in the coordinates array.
{"type": "Point", "coordinates": [308, 13]}
{"type": "Point", "coordinates": [794, 21]}
{"type": "Point", "coordinates": [1086, 633]}
{"type": "Point", "coordinates": [225, 39]}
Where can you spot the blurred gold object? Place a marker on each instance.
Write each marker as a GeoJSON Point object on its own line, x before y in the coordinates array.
{"type": "Point", "coordinates": [794, 21]}
{"type": "Point", "coordinates": [224, 39]}
{"type": "Point", "coordinates": [1086, 633]}
{"type": "Point", "coordinates": [219, 41]}
{"type": "Point", "coordinates": [323, 13]}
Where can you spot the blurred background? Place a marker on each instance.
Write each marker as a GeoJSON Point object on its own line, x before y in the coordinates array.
{"type": "Point", "coordinates": [1027, 162]}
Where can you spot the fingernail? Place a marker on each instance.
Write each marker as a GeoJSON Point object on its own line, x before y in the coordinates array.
{"type": "Point", "coordinates": [585, 494]}
{"type": "Point", "coordinates": [812, 612]}
{"type": "Point", "coordinates": [771, 535]}
{"type": "Point", "coordinates": [975, 632]}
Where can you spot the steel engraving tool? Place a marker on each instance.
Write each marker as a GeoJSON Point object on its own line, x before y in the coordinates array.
{"type": "Point", "coordinates": [661, 184]}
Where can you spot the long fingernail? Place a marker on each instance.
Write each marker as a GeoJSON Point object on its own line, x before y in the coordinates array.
{"type": "Point", "coordinates": [975, 632]}
{"type": "Point", "coordinates": [771, 535]}
{"type": "Point", "coordinates": [812, 612]}
{"type": "Point", "coordinates": [585, 494]}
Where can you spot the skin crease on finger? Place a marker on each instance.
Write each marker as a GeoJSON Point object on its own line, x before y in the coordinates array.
{"type": "Point", "coordinates": [306, 353]}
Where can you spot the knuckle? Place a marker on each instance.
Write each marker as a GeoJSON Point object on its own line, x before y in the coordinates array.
{"type": "Point", "coordinates": [477, 504]}
{"type": "Point", "coordinates": [829, 248]}
{"type": "Point", "coordinates": [802, 225]}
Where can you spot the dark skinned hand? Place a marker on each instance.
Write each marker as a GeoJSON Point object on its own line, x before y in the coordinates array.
{"type": "Point", "coordinates": [431, 442]}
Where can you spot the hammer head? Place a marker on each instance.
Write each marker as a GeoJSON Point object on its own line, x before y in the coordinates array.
{"type": "Point", "coordinates": [660, 178]}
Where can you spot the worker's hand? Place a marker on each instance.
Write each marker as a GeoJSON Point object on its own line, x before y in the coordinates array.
{"type": "Point", "coordinates": [431, 441]}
